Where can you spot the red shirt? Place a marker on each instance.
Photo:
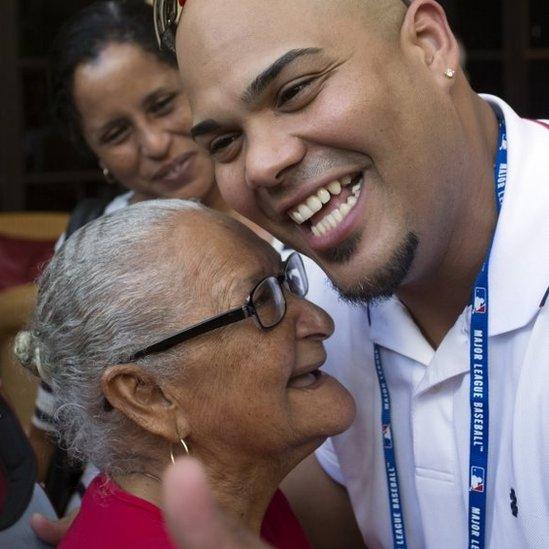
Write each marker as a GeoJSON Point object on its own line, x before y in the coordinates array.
{"type": "Point", "coordinates": [111, 518]}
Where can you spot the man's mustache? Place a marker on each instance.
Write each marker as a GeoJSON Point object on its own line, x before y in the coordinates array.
{"type": "Point", "coordinates": [315, 168]}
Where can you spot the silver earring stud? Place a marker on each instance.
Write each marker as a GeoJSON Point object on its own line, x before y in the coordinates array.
{"type": "Point", "coordinates": [449, 73]}
{"type": "Point", "coordinates": [108, 176]}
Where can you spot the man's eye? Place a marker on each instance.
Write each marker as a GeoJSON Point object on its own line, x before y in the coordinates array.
{"type": "Point", "coordinates": [220, 144]}
{"type": "Point", "coordinates": [293, 92]}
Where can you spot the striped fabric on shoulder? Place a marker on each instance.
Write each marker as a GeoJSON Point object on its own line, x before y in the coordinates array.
{"type": "Point", "coordinates": [44, 410]}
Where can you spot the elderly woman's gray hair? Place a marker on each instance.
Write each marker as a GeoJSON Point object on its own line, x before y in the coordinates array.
{"type": "Point", "coordinates": [104, 295]}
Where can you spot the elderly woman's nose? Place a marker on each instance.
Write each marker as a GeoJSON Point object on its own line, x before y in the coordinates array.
{"type": "Point", "coordinates": [155, 141]}
{"type": "Point", "coordinates": [312, 320]}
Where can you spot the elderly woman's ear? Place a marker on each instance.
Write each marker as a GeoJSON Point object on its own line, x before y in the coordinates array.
{"type": "Point", "coordinates": [137, 395]}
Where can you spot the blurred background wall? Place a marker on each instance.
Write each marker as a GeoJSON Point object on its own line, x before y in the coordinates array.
{"type": "Point", "coordinates": [507, 45]}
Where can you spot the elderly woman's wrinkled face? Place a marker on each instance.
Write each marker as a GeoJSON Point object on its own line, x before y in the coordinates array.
{"type": "Point", "coordinates": [136, 119]}
{"type": "Point", "coordinates": [246, 390]}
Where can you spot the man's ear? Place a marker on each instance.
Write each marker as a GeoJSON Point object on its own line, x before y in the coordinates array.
{"type": "Point", "coordinates": [426, 31]}
{"type": "Point", "coordinates": [136, 394]}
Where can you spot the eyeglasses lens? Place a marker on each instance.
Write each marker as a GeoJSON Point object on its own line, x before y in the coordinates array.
{"type": "Point", "coordinates": [296, 276]}
{"type": "Point", "coordinates": [269, 303]}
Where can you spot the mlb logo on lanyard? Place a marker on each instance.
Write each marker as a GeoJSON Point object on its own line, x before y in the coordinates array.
{"type": "Point", "coordinates": [479, 304]}
{"type": "Point", "coordinates": [387, 437]}
{"type": "Point", "coordinates": [477, 479]}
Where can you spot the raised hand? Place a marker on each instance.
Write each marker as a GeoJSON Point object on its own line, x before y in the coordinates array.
{"type": "Point", "coordinates": [193, 517]}
{"type": "Point", "coordinates": [52, 531]}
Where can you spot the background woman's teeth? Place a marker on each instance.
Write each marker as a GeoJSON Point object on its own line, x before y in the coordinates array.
{"type": "Point", "coordinates": [352, 200]}
{"type": "Point", "coordinates": [323, 195]}
{"type": "Point", "coordinates": [346, 180]}
{"type": "Point", "coordinates": [314, 203]}
{"type": "Point", "coordinates": [345, 208]}
{"type": "Point", "coordinates": [336, 214]}
{"type": "Point", "coordinates": [315, 231]}
{"type": "Point", "coordinates": [356, 188]}
{"type": "Point", "coordinates": [334, 187]}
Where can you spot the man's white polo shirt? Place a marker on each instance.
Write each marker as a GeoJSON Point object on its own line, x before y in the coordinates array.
{"type": "Point", "coordinates": [430, 389]}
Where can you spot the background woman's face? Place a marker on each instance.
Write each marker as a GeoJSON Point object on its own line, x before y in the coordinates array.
{"type": "Point", "coordinates": [136, 119]}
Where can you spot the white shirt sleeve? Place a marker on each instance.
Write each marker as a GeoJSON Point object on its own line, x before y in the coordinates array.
{"type": "Point", "coordinates": [327, 457]}
{"type": "Point", "coordinates": [60, 242]}
{"type": "Point", "coordinates": [118, 202]}
{"type": "Point", "coordinates": [43, 417]}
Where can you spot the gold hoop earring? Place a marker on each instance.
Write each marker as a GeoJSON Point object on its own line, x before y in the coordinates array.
{"type": "Point", "coordinates": [449, 73]}
{"type": "Point", "coordinates": [185, 447]}
{"type": "Point", "coordinates": [108, 176]}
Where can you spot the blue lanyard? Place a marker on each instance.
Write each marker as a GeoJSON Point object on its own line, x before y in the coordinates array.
{"type": "Point", "coordinates": [478, 451]}
{"type": "Point", "coordinates": [478, 394]}
{"type": "Point", "coordinates": [397, 515]}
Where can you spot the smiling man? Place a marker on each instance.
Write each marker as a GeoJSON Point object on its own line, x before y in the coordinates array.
{"type": "Point", "coordinates": [346, 129]}
{"type": "Point", "coordinates": [348, 141]}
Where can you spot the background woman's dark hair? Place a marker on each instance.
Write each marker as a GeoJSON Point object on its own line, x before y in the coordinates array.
{"type": "Point", "coordinates": [83, 38]}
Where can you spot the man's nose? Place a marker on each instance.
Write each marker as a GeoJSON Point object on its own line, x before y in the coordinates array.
{"type": "Point", "coordinates": [154, 141]}
{"type": "Point", "coordinates": [270, 154]}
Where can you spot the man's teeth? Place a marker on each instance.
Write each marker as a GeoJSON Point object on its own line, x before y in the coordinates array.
{"type": "Point", "coordinates": [335, 187]}
{"type": "Point", "coordinates": [316, 202]}
{"type": "Point", "coordinates": [324, 195]}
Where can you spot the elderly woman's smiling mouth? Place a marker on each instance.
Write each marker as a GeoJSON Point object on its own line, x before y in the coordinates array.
{"type": "Point", "coordinates": [307, 380]}
{"type": "Point", "coordinates": [310, 375]}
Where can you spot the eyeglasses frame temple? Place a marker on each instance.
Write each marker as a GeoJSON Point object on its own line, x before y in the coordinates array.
{"type": "Point", "coordinates": [218, 321]}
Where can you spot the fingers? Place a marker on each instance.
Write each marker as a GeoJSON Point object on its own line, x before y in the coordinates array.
{"type": "Point", "coordinates": [51, 531]}
{"type": "Point", "coordinates": [47, 530]}
{"type": "Point", "coordinates": [193, 518]}
{"type": "Point", "coordinates": [190, 510]}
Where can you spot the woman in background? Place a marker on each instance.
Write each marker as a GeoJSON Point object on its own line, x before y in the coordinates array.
{"type": "Point", "coordinates": [119, 97]}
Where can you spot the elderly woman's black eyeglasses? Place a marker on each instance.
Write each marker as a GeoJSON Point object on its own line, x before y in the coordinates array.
{"type": "Point", "coordinates": [266, 304]}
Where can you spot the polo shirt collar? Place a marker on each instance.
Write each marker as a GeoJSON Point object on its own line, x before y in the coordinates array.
{"type": "Point", "coordinates": [519, 266]}
{"type": "Point", "coordinates": [519, 263]}
{"type": "Point", "coordinates": [392, 327]}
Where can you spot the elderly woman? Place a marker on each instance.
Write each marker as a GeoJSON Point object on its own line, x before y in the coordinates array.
{"type": "Point", "coordinates": [166, 328]}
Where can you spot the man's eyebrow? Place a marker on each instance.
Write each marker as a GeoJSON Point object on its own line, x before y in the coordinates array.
{"type": "Point", "coordinates": [203, 127]}
{"type": "Point", "coordinates": [259, 84]}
